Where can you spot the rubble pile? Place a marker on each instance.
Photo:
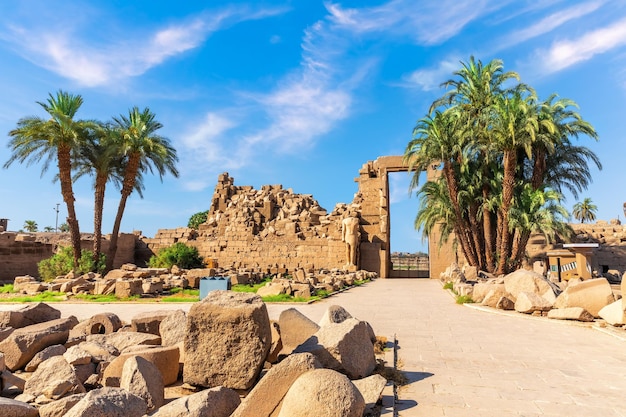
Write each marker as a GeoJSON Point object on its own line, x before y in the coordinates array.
{"type": "Point", "coordinates": [225, 357]}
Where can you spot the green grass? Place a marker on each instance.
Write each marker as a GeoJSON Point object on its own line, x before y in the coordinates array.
{"type": "Point", "coordinates": [173, 299]}
{"type": "Point", "coordinates": [250, 287]}
{"type": "Point", "coordinates": [462, 299]}
{"type": "Point", "coordinates": [448, 286]}
{"type": "Point", "coordinates": [46, 296]}
{"type": "Point", "coordinates": [102, 298]}
{"type": "Point", "coordinates": [180, 295]}
{"type": "Point", "coordinates": [6, 289]}
{"type": "Point", "coordinates": [284, 298]}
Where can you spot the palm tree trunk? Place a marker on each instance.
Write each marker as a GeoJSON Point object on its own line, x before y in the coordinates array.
{"type": "Point", "coordinates": [539, 168]}
{"type": "Point", "coordinates": [130, 176]}
{"type": "Point", "coordinates": [453, 188]}
{"type": "Point", "coordinates": [100, 188]}
{"type": "Point", "coordinates": [508, 184]}
{"type": "Point", "coordinates": [490, 248]}
{"type": "Point", "coordinates": [65, 178]}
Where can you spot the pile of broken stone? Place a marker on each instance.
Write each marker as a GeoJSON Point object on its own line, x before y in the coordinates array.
{"type": "Point", "coordinates": [130, 280]}
{"type": "Point", "coordinates": [529, 292]}
{"type": "Point", "coordinates": [225, 357]}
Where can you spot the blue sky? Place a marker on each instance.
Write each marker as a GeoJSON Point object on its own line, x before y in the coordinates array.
{"type": "Point", "coordinates": [294, 93]}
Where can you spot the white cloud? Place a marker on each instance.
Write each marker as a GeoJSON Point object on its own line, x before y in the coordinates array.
{"type": "Point", "coordinates": [563, 54]}
{"type": "Point", "coordinates": [429, 22]}
{"type": "Point", "coordinates": [551, 22]}
{"type": "Point", "coordinates": [431, 78]}
{"type": "Point", "coordinates": [205, 146]}
{"type": "Point", "coordinates": [68, 53]}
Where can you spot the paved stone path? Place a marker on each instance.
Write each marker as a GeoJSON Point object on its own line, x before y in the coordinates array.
{"type": "Point", "coordinates": [464, 361]}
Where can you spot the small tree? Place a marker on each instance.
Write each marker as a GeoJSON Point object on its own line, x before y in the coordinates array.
{"type": "Point", "coordinates": [197, 219]}
{"type": "Point", "coordinates": [64, 227]}
{"type": "Point", "coordinates": [585, 211]}
{"type": "Point", "coordinates": [30, 226]}
{"type": "Point", "coordinates": [48, 229]}
{"type": "Point", "coordinates": [62, 263]}
{"type": "Point", "coordinates": [178, 254]}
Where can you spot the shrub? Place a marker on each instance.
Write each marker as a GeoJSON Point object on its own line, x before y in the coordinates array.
{"type": "Point", "coordinates": [178, 254]}
{"type": "Point", "coordinates": [62, 263]}
{"type": "Point", "coordinates": [197, 219]}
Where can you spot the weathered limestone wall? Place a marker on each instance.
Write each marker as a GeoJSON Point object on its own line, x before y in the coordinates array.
{"type": "Point", "coordinates": [271, 228]}
{"type": "Point", "coordinates": [20, 252]}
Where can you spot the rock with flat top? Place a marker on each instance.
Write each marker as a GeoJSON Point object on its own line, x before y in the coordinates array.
{"type": "Point", "coordinates": [524, 280]}
{"type": "Point", "coordinates": [165, 358]}
{"type": "Point", "coordinates": [529, 302]}
{"type": "Point", "coordinates": [54, 378]}
{"type": "Point", "coordinates": [47, 353]}
{"type": "Point", "coordinates": [228, 338]}
{"type": "Point", "coordinates": [60, 407]}
{"type": "Point", "coordinates": [592, 295]}
{"type": "Point", "coordinates": [570, 313]}
{"type": "Point", "coordinates": [123, 340]}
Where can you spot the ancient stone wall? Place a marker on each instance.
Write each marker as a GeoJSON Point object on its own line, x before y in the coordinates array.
{"type": "Point", "coordinates": [271, 228]}
{"type": "Point", "coordinates": [20, 252]}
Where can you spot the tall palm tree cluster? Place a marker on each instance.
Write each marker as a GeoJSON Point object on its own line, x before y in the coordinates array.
{"type": "Point", "coordinates": [505, 157]}
{"type": "Point", "coordinates": [119, 151]}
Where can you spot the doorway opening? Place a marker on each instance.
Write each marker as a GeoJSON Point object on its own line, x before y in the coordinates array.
{"type": "Point", "coordinates": [409, 251]}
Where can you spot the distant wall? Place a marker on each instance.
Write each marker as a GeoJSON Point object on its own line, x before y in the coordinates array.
{"type": "Point", "coordinates": [20, 252]}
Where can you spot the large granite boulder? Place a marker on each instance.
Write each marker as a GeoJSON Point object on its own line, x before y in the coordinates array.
{"type": "Point", "coordinates": [165, 358]}
{"type": "Point", "coordinates": [295, 329]}
{"type": "Point", "coordinates": [214, 402]}
{"type": "Point", "coordinates": [346, 347]}
{"type": "Point", "coordinates": [228, 338]}
{"type": "Point", "coordinates": [54, 378]}
{"type": "Point", "coordinates": [143, 378]}
{"type": "Point", "coordinates": [26, 316]}
{"type": "Point", "coordinates": [592, 295]}
{"type": "Point", "coordinates": [149, 321]}
{"type": "Point", "coordinates": [22, 345]}
{"type": "Point", "coordinates": [47, 353]}
{"type": "Point", "coordinates": [268, 393]}
{"type": "Point", "coordinates": [322, 393]}
{"type": "Point", "coordinates": [524, 280]}
{"type": "Point", "coordinates": [529, 302]}
{"type": "Point", "coordinates": [173, 328]}
{"type": "Point", "coordinates": [108, 402]}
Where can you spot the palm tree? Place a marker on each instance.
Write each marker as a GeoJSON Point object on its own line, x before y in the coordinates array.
{"type": "Point", "coordinates": [48, 229]}
{"type": "Point", "coordinates": [499, 148]}
{"type": "Point", "coordinates": [142, 150]}
{"type": "Point", "coordinates": [30, 226]}
{"type": "Point", "coordinates": [99, 157]}
{"type": "Point", "coordinates": [35, 139]}
{"type": "Point", "coordinates": [64, 228]}
{"type": "Point", "coordinates": [585, 211]}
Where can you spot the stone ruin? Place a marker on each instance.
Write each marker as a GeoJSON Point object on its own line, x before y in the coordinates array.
{"type": "Point", "coordinates": [272, 230]}
{"type": "Point", "coordinates": [225, 357]}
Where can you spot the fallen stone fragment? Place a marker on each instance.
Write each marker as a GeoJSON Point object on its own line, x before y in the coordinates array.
{"type": "Point", "coordinates": [334, 314]}
{"type": "Point", "coordinates": [60, 407]}
{"type": "Point", "coordinates": [371, 388]}
{"type": "Point", "coordinates": [613, 313]}
{"type": "Point", "coordinates": [322, 393]}
{"type": "Point", "coordinates": [22, 345]}
{"type": "Point", "coordinates": [164, 358]}
{"type": "Point", "coordinates": [228, 338]}
{"type": "Point", "coordinates": [149, 321]}
{"type": "Point", "coordinates": [505, 303]}
{"type": "Point", "coordinates": [108, 402]}
{"type": "Point", "coordinates": [173, 328]}
{"type": "Point", "coordinates": [269, 392]}
{"type": "Point", "coordinates": [47, 353]}
{"type": "Point", "coordinates": [77, 356]}
{"type": "Point", "coordinates": [295, 329]}
{"type": "Point", "coordinates": [570, 313]}
{"type": "Point", "coordinates": [14, 408]}
{"type": "Point", "coordinates": [54, 378]}
{"type": "Point", "coordinates": [143, 378]}
{"type": "Point", "coordinates": [523, 280]}
{"type": "Point", "coordinates": [592, 295]}
{"type": "Point", "coordinates": [29, 315]}
{"type": "Point", "coordinates": [345, 347]}
{"type": "Point", "coordinates": [122, 340]}
{"type": "Point", "coordinates": [214, 402]}
{"type": "Point", "coordinates": [529, 302]}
